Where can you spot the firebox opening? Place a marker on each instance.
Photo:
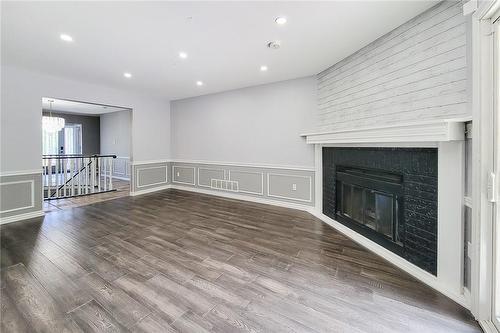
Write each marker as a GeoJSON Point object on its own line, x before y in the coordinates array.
{"type": "Point", "coordinates": [371, 199]}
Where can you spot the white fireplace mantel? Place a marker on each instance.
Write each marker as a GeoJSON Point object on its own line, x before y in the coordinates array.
{"type": "Point", "coordinates": [426, 131]}
{"type": "Point", "coordinates": [447, 136]}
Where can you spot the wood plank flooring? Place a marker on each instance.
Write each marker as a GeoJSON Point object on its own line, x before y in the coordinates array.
{"type": "Point", "coordinates": [177, 261]}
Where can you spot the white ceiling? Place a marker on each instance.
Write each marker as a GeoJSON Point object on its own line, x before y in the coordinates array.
{"type": "Point", "coordinates": [225, 41]}
{"type": "Point", "coordinates": [61, 105]}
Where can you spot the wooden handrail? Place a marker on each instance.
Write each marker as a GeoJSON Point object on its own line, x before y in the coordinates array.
{"type": "Point", "coordinates": [55, 157]}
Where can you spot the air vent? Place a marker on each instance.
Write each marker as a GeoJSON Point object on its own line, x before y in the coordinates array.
{"type": "Point", "coordinates": [223, 184]}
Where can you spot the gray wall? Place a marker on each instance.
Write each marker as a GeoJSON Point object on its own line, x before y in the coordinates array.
{"type": "Point", "coordinates": [416, 72]}
{"type": "Point", "coordinates": [258, 125]}
{"type": "Point", "coordinates": [116, 133]}
{"type": "Point", "coordinates": [20, 195]}
{"type": "Point", "coordinates": [291, 186]}
{"type": "Point", "coordinates": [91, 133]}
{"type": "Point", "coordinates": [149, 176]}
{"type": "Point", "coordinates": [116, 138]}
{"type": "Point", "coordinates": [277, 184]}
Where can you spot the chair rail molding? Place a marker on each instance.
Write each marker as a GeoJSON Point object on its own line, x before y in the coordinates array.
{"type": "Point", "coordinates": [20, 172]}
{"type": "Point", "coordinates": [149, 162]}
{"type": "Point", "coordinates": [251, 165]}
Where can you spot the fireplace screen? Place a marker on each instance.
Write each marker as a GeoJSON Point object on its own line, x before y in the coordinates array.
{"type": "Point", "coordinates": [370, 199]}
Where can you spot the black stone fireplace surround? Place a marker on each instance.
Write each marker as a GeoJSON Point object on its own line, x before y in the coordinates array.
{"type": "Point", "coordinates": [401, 183]}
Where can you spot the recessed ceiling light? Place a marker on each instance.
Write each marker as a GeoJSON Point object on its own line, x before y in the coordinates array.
{"type": "Point", "coordinates": [66, 38]}
{"type": "Point", "coordinates": [263, 68]}
{"type": "Point", "coordinates": [199, 83]}
{"type": "Point", "coordinates": [183, 55]}
{"type": "Point", "coordinates": [280, 20]}
{"type": "Point", "coordinates": [127, 75]}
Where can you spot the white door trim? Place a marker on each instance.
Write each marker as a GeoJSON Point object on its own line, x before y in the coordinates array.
{"type": "Point", "coordinates": [482, 112]}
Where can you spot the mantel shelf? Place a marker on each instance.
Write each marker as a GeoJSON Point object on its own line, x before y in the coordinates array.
{"type": "Point", "coordinates": [428, 131]}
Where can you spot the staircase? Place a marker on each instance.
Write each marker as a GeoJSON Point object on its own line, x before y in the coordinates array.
{"type": "Point", "coordinates": [66, 176]}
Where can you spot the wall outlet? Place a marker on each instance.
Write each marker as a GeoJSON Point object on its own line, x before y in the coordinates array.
{"type": "Point", "coordinates": [178, 174]}
{"type": "Point", "coordinates": [294, 187]}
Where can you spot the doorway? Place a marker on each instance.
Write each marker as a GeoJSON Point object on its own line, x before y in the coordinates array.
{"type": "Point", "coordinates": [86, 152]}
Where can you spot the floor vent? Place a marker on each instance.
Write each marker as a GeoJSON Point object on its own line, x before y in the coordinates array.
{"type": "Point", "coordinates": [223, 184]}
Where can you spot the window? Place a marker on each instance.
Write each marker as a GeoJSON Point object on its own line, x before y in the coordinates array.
{"type": "Point", "coordinates": [66, 141]}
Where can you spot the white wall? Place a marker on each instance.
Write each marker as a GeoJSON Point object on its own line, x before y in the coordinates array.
{"type": "Point", "coordinates": [256, 125]}
{"type": "Point", "coordinates": [116, 133]}
{"type": "Point", "coordinates": [416, 72]}
{"type": "Point", "coordinates": [20, 116]}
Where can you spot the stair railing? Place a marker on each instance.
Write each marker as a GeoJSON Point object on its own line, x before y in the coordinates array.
{"type": "Point", "coordinates": [66, 176]}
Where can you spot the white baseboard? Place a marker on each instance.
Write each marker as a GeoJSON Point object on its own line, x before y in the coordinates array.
{"type": "Point", "coordinates": [488, 326]}
{"type": "Point", "coordinates": [149, 190]}
{"type": "Point", "coordinates": [226, 195]}
{"type": "Point", "coordinates": [20, 217]}
{"type": "Point", "coordinates": [244, 197]}
{"type": "Point", "coordinates": [393, 258]}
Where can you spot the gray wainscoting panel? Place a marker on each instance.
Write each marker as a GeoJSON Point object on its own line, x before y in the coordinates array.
{"type": "Point", "coordinates": [249, 181]}
{"type": "Point", "coordinates": [149, 176]}
{"type": "Point", "coordinates": [291, 187]}
{"type": "Point", "coordinates": [20, 194]}
{"type": "Point", "coordinates": [275, 184]}
{"type": "Point", "coordinates": [416, 72]}
{"type": "Point", "coordinates": [184, 175]}
{"type": "Point", "coordinates": [121, 167]}
{"type": "Point", "coordinates": [207, 173]}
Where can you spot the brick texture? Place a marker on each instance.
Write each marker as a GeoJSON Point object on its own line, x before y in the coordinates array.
{"type": "Point", "coordinates": [418, 166]}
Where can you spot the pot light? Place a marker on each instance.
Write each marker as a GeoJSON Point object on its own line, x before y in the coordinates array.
{"type": "Point", "coordinates": [127, 75]}
{"type": "Point", "coordinates": [263, 68]}
{"type": "Point", "coordinates": [66, 38]}
{"type": "Point", "coordinates": [280, 20]}
{"type": "Point", "coordinates": [199, 83]}
{"type": "Point", "coordinates": [183, 55]}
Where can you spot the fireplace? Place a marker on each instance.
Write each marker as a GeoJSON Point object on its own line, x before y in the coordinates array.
{"type": "Point", "coordinates": [371, 200]}
{"type": "Point", "coordinates": [388, 195]}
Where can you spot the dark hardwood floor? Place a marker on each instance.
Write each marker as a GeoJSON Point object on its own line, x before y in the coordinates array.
{"type": "Point", "coordinates": [176, 261]}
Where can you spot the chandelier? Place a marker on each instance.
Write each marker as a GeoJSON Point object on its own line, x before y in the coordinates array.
{"type": "Point", "coordinates": [52, 124]}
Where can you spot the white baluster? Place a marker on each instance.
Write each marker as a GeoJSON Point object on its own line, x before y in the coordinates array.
{"type": "Point", "coordinates": [99, 168]}
{"type": "Point", "coordinates": [79, 177]}
{"type": "Point", "coordinates": [65, 161]}
{"type": "Point", "coordinates": [105, 173]}
{"type": "Point", "coordinates": [110, 173]}
{"type": "Point", "coordinates": [44, 172]}
{"type": "Point", "coordinates": [58, 171]}
{"type": "Point", "coordinates": [87, 175]}
{"type": "Point", "coordinates": [72, 174]}
{"type": "Point", "coordinates": [92, 176]}
{"type": "Point", "coordinates": [49, 178]}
